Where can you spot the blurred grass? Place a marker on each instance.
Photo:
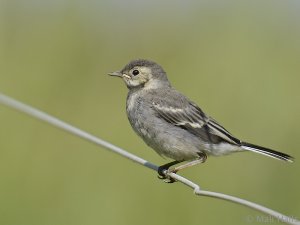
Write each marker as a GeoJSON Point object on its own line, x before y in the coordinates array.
{"type": "Point", "coordinates": [238, 60]}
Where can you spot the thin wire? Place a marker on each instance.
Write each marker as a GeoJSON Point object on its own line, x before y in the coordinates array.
{"type": "Point", "coordinates": [33, 112]}
{"type": "Point", "coordinates": [19, 106]}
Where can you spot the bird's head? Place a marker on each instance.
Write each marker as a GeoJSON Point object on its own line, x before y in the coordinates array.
{"type": "Point", "coordinates": [141, 73]}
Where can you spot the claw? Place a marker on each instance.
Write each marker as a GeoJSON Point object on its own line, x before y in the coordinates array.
{"type": "Point", "coordinates": [166, 179]}
{"type": "Point", "coordinates": [169, 180]}
{"type": "Point", "coordinates": [163, 174]}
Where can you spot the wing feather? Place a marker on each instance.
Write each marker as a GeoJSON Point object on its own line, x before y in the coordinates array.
{"type": "Point", "coordinates": [194, 120]}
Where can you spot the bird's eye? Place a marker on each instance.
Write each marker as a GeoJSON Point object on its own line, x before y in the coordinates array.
{"type": "Point", "coordinates": [135, 72]}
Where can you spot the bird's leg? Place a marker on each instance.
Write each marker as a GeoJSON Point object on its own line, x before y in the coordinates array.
{"type": "Point", "coordinates": [202, 158]}
{"type": "Point", "coordinates": [163, 168]}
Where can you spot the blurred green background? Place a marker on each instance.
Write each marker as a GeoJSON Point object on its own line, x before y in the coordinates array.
{"type": "Point", "coordinates": [239, 60]}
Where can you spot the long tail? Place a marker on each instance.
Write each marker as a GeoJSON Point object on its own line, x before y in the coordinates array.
{"type": "Point", "coordinates": [267, 152]}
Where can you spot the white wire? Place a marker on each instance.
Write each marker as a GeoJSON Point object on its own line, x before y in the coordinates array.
{"type": "Point", "coordinates": [19, 106]}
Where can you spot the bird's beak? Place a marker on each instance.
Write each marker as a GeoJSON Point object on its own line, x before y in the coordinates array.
{"type": "Point", "coordinates": [119, 74]}
{"type": "Point", "coordinates": [116, 74]}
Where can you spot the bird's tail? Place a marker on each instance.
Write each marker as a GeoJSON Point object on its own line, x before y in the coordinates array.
{"type": "Point", "coordinates": [267, 152]}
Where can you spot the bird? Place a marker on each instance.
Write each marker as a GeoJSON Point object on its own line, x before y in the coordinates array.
{"type": "Point", "coordinates": [173, 125]}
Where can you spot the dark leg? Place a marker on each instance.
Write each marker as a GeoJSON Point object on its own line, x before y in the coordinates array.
{"type": "Point", "coordinates": [165, 167]}
{"type": "Point", "coordinates": [202, 158]}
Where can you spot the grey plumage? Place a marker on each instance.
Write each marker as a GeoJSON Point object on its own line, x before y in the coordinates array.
{"type": "Point", "coordinates": [170, 123]}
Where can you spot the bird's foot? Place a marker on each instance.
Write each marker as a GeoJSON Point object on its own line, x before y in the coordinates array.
{"type": "Point", "coordinates": [165, 170]}
{"type": "Point", "coordinates": [163, 174]}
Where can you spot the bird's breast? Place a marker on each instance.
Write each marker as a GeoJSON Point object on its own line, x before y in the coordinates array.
{"type": "Point", "coordinates": [140, 115]}
{"type": "Point", "coordinates": [132, 102]}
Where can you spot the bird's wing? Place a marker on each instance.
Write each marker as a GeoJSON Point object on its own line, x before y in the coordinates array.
{"type": "Point", "coordinates": [193, 119]}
